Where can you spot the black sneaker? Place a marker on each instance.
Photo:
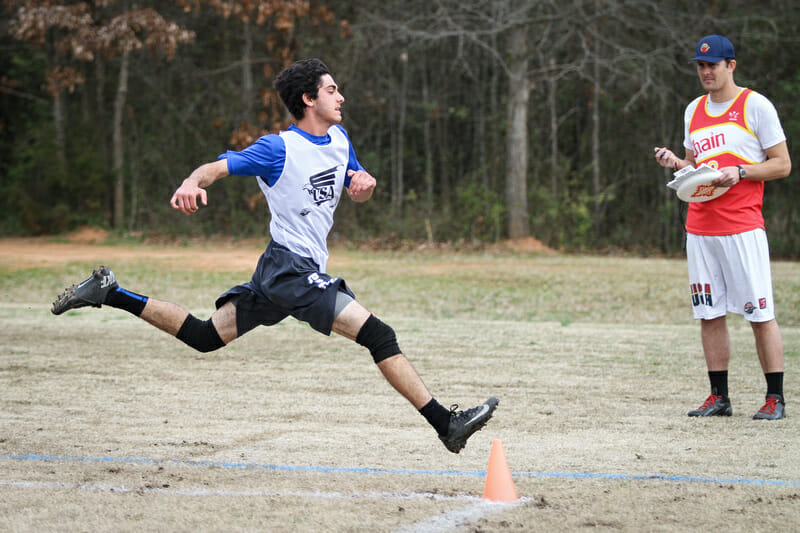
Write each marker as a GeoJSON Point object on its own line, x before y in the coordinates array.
{"type": "Point", "coordinates": [772, 410]}
{"type": "Point", "coordinates": [91, 291]}
{"type": "Point", "coordinates": [714, 406]}
{"type": "Point", "coordinates": [464, 423]}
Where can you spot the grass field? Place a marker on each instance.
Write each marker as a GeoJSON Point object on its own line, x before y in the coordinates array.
{"type": "Point", "coordinates": [107, 424]}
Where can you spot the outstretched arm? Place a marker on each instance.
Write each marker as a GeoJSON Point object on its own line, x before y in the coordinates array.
{"type": "Point", "coordinates": [193, 187]}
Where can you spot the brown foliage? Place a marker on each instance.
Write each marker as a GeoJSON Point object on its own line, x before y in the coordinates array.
{"type": "Point", "coordinates": [33, 23]}
{"type": "Point", "coordinates": [77, 33]}
{"type": "Point", "coordinates": [244, 136]}
{"type": "Point", "coordinates": [281, 13]}
{"type": "Point", "coordinates": [140, 28]}
{"type": "Point", "coordinates": [61, 78]}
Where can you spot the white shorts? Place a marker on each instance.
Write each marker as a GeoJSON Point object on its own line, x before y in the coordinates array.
{"type": "Point", "coordinates": [730, 274]}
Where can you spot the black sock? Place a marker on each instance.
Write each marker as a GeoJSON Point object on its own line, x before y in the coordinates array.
{"type": "Point", "coordinates": [719, 382]}
{"type": "Point", "coordinates": [437, 416]}
{"type": "Point", "coordinates": [775, 383]}
{"type": "Point", "coordinates": [126, 300]}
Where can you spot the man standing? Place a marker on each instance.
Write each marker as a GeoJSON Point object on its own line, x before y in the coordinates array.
{"type": "Point", "coordinates": [302, 172]}
{"type": "Point", "coordinates": [738, 132]}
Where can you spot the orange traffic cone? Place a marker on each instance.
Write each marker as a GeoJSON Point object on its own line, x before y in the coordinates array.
{"type": "Point", "coordinates": [499, 485]}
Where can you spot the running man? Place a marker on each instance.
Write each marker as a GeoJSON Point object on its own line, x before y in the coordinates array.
{"type": "Point", "coordinates": [302, 172]}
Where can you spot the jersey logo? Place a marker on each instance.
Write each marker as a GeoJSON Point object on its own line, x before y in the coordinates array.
{"type": "Point", "coordinates": [321, 282]}
{"type": "Point", "coordinates": [701, 294]}
{"type": "Point", "coordinates": [709, 142]}
{"type": "Point", "coordinates": [321, 186]}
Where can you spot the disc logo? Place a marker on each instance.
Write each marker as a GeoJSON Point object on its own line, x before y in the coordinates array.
{"type": "Point", "coordinates": [703, 190]}
{"type": "Point", "coordinates": [749, 308]}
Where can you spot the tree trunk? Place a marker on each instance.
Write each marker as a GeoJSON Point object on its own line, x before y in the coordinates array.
{"type": "Point", "coordinates": [100, 95]}
{"type": "Point", "coordinates": [519, 95]}
{"type": "Point", "coordinates": [58, 125]}
{"type": "Point", "coordinates": [443, 174]}
{"type": "Point", "coordinates": [428, 147]}
{"type": "Point", "coordinates": [552, 88]}
{"type": "Point", "coordinates": [119, 174]}
{"type": "Point", "coordinates": [398, 192]}
{"type": "Point", "coordinates": [247, 73]}
{"type": "Point", "coordinates": [596, 178]}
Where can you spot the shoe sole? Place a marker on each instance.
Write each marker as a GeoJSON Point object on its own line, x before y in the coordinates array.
{"type": "Point", "coordinates": [64, 301]}
{"type": "Point", "coordinates": [701, 415]}
{"type": "Point", "coordinates": [766, 416]}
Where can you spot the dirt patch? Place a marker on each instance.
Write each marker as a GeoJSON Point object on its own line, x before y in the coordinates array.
{"type": "Point", "coordinates": [390, 242]}
{"type": "Point", "coordinates": [88, 235]}
{"type": "Point", "coordinates": [527, 245]}
{"type": "Point", "coordinates": [214, 254]}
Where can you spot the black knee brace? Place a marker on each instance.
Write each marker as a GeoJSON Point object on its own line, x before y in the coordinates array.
{"type": "Point", "coordinates": [378, 338]}
{"type": "Point", "coordinates": [200, 334]}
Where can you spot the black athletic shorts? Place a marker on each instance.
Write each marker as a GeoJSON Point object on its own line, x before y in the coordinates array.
{"type": "Point", "coordinates": [285, 284]}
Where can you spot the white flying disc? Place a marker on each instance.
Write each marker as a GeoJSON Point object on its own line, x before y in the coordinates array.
{"type": "Point", "coordinates": [694, 184]}
{"type": "Point", "coordinates": [698, 188]}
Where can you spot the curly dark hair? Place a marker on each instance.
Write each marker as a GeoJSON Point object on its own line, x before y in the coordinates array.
{"type": "Point", "coordinates": [299, 78]}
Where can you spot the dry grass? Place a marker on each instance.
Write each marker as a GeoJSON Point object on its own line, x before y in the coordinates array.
{"type": "Point", "coordinates": [108, 424]}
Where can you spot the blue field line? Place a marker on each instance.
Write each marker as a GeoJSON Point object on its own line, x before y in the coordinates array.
{"type": "Point", "coordinates": [378, 471]}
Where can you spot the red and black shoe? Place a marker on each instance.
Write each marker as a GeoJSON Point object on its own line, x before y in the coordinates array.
{"type": "Point", "coordinates": [714, 406]}
{"type": "Point", "coordinates": [772, 410]}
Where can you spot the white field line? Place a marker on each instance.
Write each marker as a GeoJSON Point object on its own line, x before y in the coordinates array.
{"type": "Point", "coordinates": [457, 518]}
{"type": "Point", "coordinates": [465, 516]}
{"type": "Point", "coordinates": [194, 492]}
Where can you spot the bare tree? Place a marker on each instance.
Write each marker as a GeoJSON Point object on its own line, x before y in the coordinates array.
{"type": "Point", "coordinates": [129, 31]}
{"type": "Point", "coordinates": [510, 32]}
{"type": "Point", "coordinates": [53, 27]}
{"type": "Point", "coordinates": [516, 190]}
{"type": "Point", "coordinates": [84, 37]}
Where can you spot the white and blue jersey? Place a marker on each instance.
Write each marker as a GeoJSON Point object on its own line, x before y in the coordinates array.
{"type": "Point", "coordinates": [301, 176]}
